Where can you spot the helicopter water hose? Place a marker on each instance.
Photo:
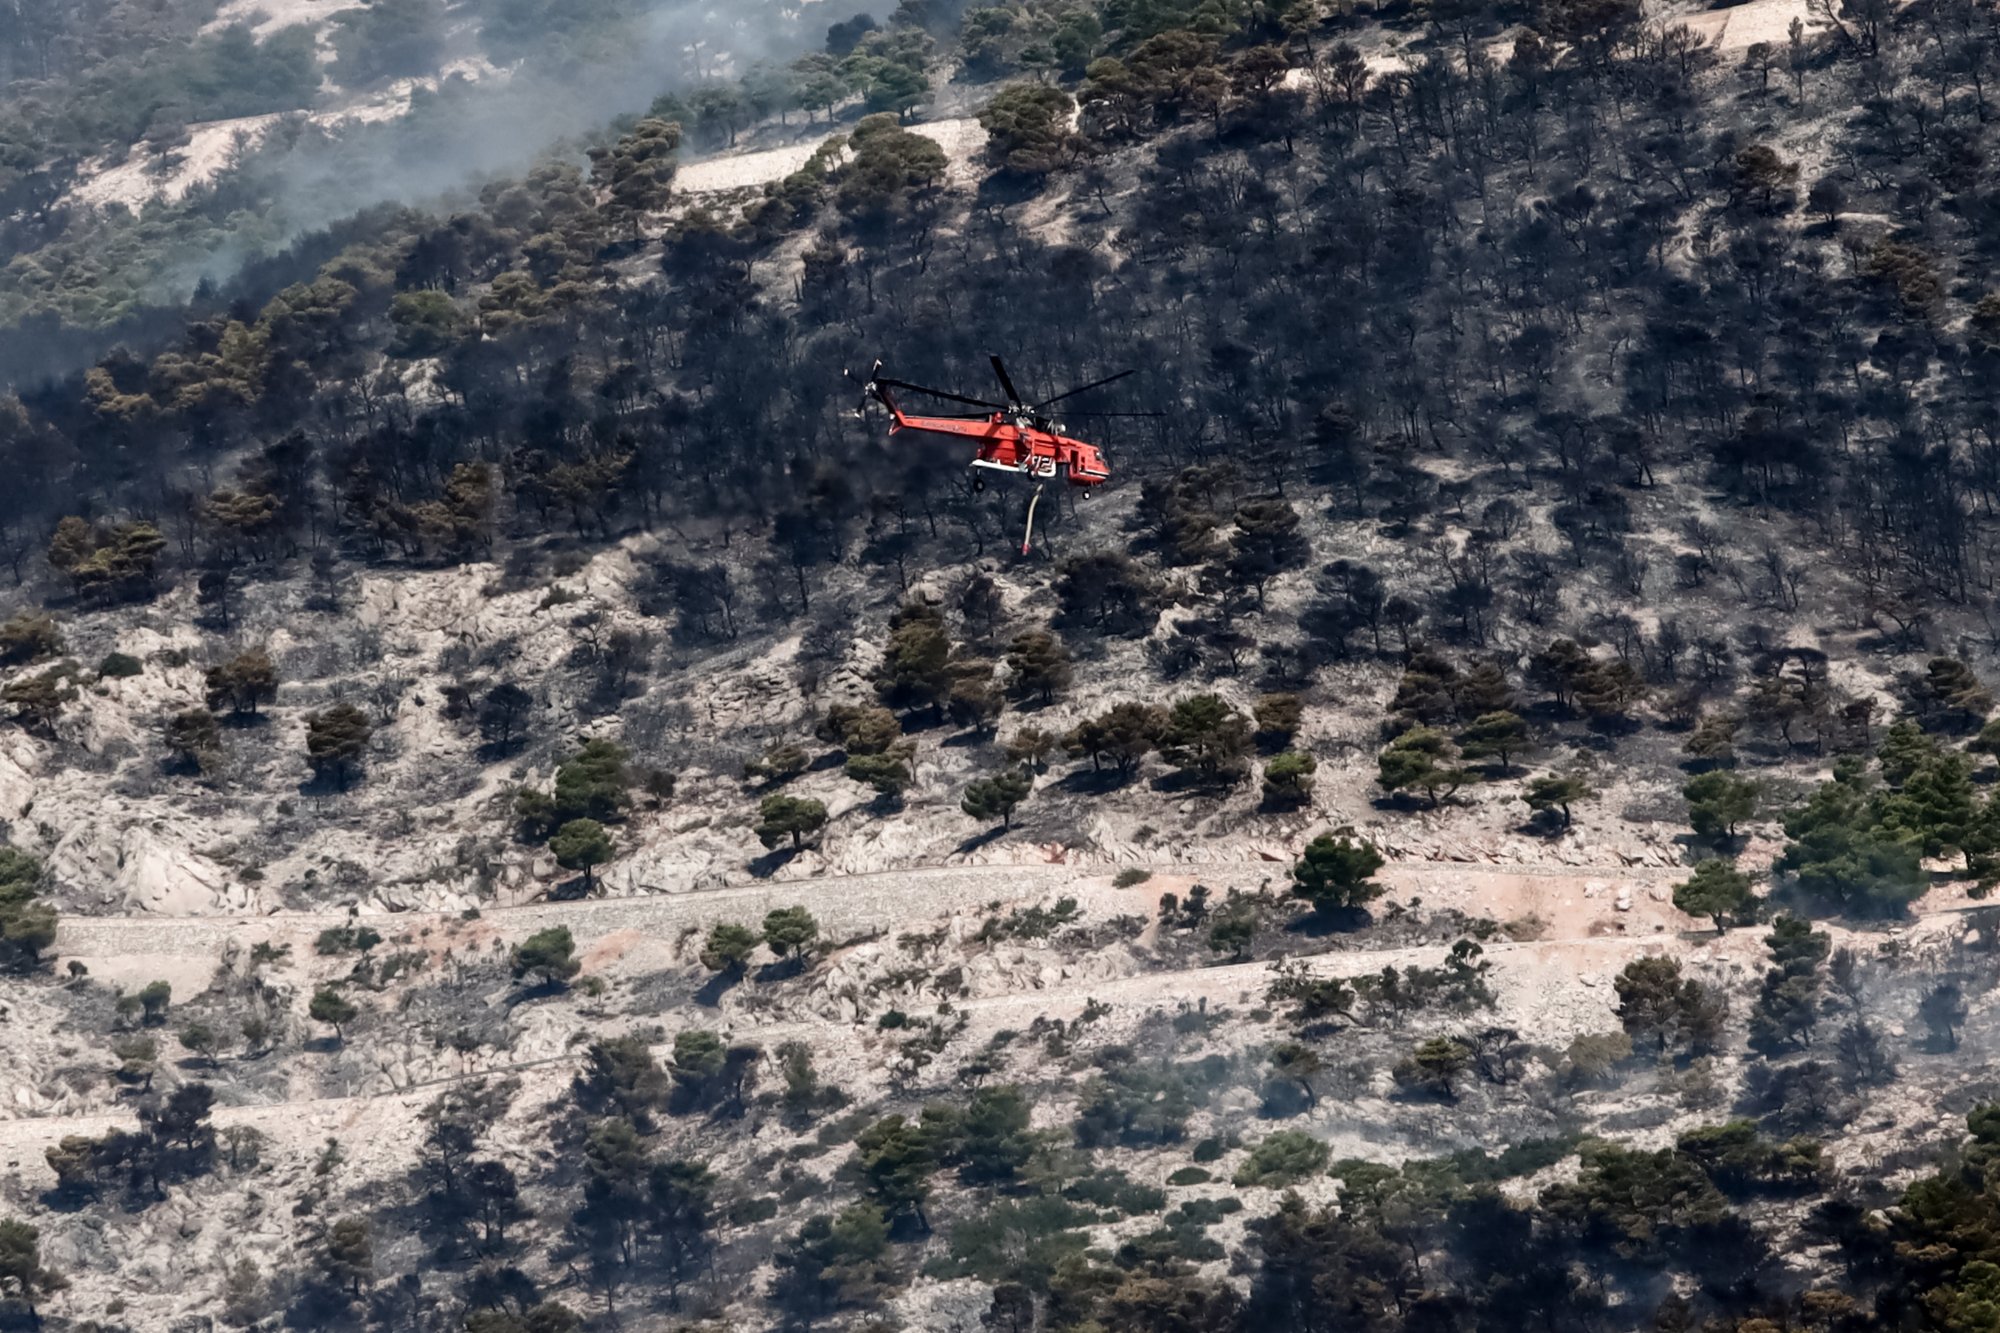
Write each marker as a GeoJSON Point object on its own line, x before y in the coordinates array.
{"type": "Point", "coordinates": [1028, 538]}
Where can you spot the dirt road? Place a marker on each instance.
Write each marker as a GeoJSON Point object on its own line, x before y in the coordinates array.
{"type": "Point", "coordinates": [1569, 899]}
{"type": "Point", "coordinates": [1590, 920]}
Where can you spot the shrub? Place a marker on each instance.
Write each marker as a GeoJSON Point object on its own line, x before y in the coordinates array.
{"type": "Point", "coordinates": [1288, 778]}
{"type": "Point", "coordinates": [29, 636]}
{"type": "Point", "coordinates": [1435, 1066]}
{"type": "Point", "coordinates": [242, 683]}
{"type": "Point", "coordinates": [1278, 717]}
{"type": "Point", "coordinates": [1842, 854]}
{"type": "Point", "coordinates": [995, 797]}
{"type": "Point", "coordinates": [1234, 928]}
{"type": "Point", "coordinates": [1664, 1010]}
{"type": "Point", "coordinates": [1135, 1105]}
{"type": "Point", "coordinates": [790, 930]}
{"type": "Point", "coordinates": [1554, 794]}
{"type": "Point", "coordinates": [1337, 871]}
{"type": "Point", "coordinates": [595, 783]}
{"type": "Point", "coordinates": [780, 764]}
{"type": "Point", "coordinates": [336, 738]}
{"type": "Point", "coordinates": [1112, 1188]}
{"type": "Point", "coordinates": [783, 817]}
{"type": "Point", "coordinates": [1718, 802]}
{"type": "Point", "coordinates": [582, 844]}
{"type": "Point", "coordinates": [729, 947]}
{"type": "Point", "coordinates": [1285, 1158]}
{"type": "Point", "coordinates": [1019, 1240]}
{"type": "Point", "coordinates": [27, 924]}
{"type": "Point", "coordinates": [547, 957]}
{"type": "Point", "coordinates": [329, 1006]}
{"type": "Point", "coordinates": [350, 938]}
{"type": "Point", "coordinates": [1205, 737]}
{"type": "Point", "coordinates": [1593, 1056]}
{"type": "Point", "coordinates": [1717, 890]}
{"type": "Point", "coordinates": [1422, 759]}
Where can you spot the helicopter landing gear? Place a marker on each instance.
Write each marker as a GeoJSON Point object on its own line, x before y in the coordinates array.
{"type": "Point", "coordinates": [978, 484]}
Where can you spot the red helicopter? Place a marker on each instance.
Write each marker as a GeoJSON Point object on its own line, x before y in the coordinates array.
{"type": "Point", "coordinates": [1014, 437]}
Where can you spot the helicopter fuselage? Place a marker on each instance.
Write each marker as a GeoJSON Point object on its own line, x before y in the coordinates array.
{"type": "Point", "coordinates": [1015, 445]}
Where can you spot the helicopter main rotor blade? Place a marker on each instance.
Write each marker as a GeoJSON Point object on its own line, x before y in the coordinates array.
{"type": "Point", "coordinates": [940, 393]}
{"type": "Point", "coordinates": [1006, 381]}
{"type": "Point", "coordinates": [1111, 379]}
{"type": "Point", "coordinates": [1071, 415]}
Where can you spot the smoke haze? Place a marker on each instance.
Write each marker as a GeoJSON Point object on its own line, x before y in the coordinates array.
{"type": "Point", "coordinates": [280, 210]}
{"type": "Point", "coordinates": [470, 131]}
